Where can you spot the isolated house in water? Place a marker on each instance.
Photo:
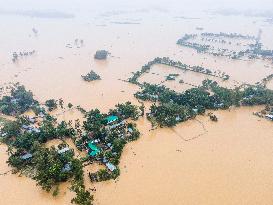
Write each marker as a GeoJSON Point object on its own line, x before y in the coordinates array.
{"type": "Point", "coordinates": [101, 55]}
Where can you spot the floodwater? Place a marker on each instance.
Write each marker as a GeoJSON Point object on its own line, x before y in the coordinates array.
{"type": "Point", "coordinates": [228, 162]}
{"type": "Point", "coordinates": [190, 79]}
{"type": "Point", "coordinates": [21, 190]}
{"type": "Point", "coordinates": [197, 162]}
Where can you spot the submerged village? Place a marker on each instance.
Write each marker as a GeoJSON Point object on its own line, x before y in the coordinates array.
{"type": "Point", "coordinates": [28, 125]}
{"type": "Point", "coordinates": [102, 136]}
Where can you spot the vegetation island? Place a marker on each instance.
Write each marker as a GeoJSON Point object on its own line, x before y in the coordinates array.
{"type": "Point", "coordinates": [91, 76]}
{"type": "Point", "coordinates": [171, 108]}
{"type": "Point", "coordinates": [17, 55]}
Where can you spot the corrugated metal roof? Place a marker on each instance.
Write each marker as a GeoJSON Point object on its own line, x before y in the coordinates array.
{"type": "Point", "coordinates": [26, 156]}
{"type": "Point", "coordinates": [110, 166]}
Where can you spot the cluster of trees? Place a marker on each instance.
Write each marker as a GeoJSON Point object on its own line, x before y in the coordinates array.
{"type": "Point", "coordinates": [257, 51]}
{"type": "Point", "coordinates": [215, 40]}
{"type": "Point", "coordinates": [267, 79]}
{"type": "Point", "coordinates": [18, 102]}
{"type": "Point", "coordinates": [229, 35]}
{"type": "Point", "coordinates": [210, 49]}
{"type": "Point", "coordinates": [51, 104]}
{"type": "Point", "coordinates": [95, 123]}
{"type": "Point", "coordinates": [213, 117]}
{"type": "Point", "coordinates": [151, 92]}
{"type": "Point", "coordinates": [169, 114]}
{"type": "Point", "coordinates": [91, 76]}
{"type": "Point", "coordinates": [145, 68]}
{"type": "Point", "coordinates": [15, 55]}
{"type": "Point", "coordinates": [184, 41]}
{"type": "Point", "coordinates": [171, 76]}
{"type": "Point", "coordinates": [104, 175]}
{"type": "Point", "coordinates": [49, 166]}
{"type": "Point", "coordinates": [257, 95]}
{"type": "Point", "coordinates": [22, 134]}
{"type": "Point", "coordinates": [83, 197]}
{"type": "Point", "coordinates": [126, 110]}
{"type": "Point", "coordinates": [173, 107]}
{"type": "Point", "coordinates": [21, 100]}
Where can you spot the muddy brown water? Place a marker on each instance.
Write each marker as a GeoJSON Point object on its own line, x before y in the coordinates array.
{"type": "Point", "coordinates": [197, 162]}
{"type": "Point", "coordinates": [230, 163]}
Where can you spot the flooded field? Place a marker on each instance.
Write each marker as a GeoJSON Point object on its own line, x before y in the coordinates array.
{"type": "Point", "coordinates": [185, 79]}
{"type": "Point", "coordinates": [196, 162]}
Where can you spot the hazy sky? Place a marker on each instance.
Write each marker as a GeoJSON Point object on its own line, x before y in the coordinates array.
{"type": "Point", "coordinates": [71, 5]}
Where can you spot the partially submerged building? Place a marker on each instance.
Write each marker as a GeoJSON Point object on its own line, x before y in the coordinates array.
{"type": "Point", "coordinates": [110, 166]}
{"type": "Point", "coordinates": [122, 123]}
{"type": "Point", "coordinates": [101, 54]}
{"type": "Point", "coordinates": [30, 128]}
{"type": "Point", "coordinates": [269, 116]}
{"type": "Point", "coordinates": [67, 167]}
{"type": "Point", "coordinates": [93, 150]}
{"type": "Point", "coordinates": [63, 150]}
{"type": "Point", "coordinates": [26, 156]}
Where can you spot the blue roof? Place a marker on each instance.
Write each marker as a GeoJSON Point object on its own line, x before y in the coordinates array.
{"type": "Point", "coordinates": [93, 149]}
{"type": "Point", "coordinates": [111, 118]}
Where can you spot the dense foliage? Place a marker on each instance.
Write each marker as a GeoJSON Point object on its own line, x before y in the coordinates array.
{"type": "Point", "coordinates": [18, 102]}
{"type": "Point", "coordinates": [51, 104]}
{"type": "Point", "coordinates": [126, 110]}
{"type": "Point", "coordinates": [173, 107]}
{"type": "Point", "coordinates": [91, 76]}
